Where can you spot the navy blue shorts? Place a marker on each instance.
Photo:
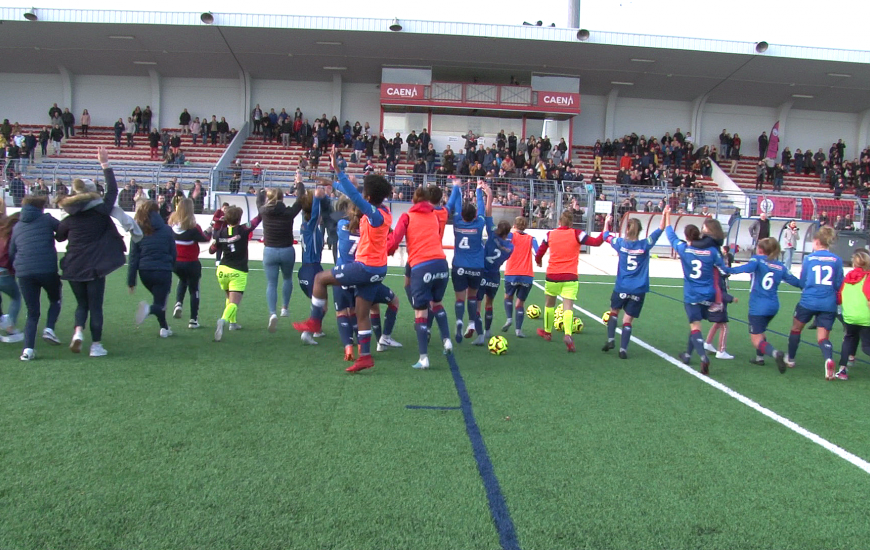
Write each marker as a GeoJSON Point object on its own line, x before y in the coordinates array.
{"type": "Point", "coordinates": [364, 278]}
{"type": "Point", "coordinates": [720, 316]}
{"type": "Point", "coordinates": [464, 278]}
{"type": "Point", "coordinates": [632, 304]}
{"type": "Point", "coordinates": [489, 283]}
{"type": "Point", "coordinates": [306, 276]}
{"type": "Point", "coordinates": [344, 297]}
{"type": "Point", "coordinates": [383, 294]}
{"type": "Point", "coordinates": [408, 270]}
{"type": "Point", "coordinates": [428, 283]}
{"type": "Point", "coordinates": [758, 323]}
{"type": "Point", "coordinates": [697, 312]}
{"type": "Point", "coordinates": [824, 319]}
{"type": "Point", "coordinates": [519, 285]}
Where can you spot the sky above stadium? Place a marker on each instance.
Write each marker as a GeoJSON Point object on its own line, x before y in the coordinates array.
{"type": "Point", "coordinates": [834, 25]}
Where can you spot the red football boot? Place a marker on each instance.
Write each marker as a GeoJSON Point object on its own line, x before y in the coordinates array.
{"type": "Point", "coordinates": [544, 334]}
{"type": "Point", "coordinates": [569, 343]}
{"type": "Point", "coordinates": [311, 325]}
{"type": "Point", "coordinates": [362, 362]}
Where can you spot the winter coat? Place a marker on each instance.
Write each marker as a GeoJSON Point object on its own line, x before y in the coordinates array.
{"type": "Point", "coordinates": [31, 247]}
{"type": "Point", "coordinates": [155, 252]}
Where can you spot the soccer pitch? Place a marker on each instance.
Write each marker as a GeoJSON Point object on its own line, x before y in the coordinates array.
{"type": "Point", "coordinates": [261, 442]}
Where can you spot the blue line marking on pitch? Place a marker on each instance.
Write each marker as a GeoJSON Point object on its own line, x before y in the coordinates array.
{"type": "Point", "coordinates": [813, 344]}
{"type": "Point", "coordinates": [498, 508]}
{"type": "Point", "coordinates": [428, 408]}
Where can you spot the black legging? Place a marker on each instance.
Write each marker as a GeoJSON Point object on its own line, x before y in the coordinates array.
{"type": "Point", "coordinates": [31, 287]}
{"type": "Point", "coordinates": [89, 300]}
{"type": "Point", "coordinates": [852, 335]}
{"type": "Point", "coordinates": [159, 284]}
{"type": "Point", "coordinates": [189, 274]}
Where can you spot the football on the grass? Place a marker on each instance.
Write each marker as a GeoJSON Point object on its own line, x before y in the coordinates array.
{"type": "Point", "coordinates": [498, 345]}
{"type": "Point", "coordinates": [606, 317]}
{"type": "Point", "coordinates": [533, 311]}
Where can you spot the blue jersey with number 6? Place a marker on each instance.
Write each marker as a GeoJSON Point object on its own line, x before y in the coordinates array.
{"type": "Point", "coordinates": [766, 276]}
{"type": "Point", "coordinates": [821, 278]}
{"type": "Point", "coordinates": [699, 269]}
{"type": "Point", "coordinates": [632, 276]}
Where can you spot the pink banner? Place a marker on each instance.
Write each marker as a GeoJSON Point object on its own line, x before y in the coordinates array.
{"type": "Point", "coordinates": [773, 144]}
{"type": "Point", "coordinates": [777, 207]}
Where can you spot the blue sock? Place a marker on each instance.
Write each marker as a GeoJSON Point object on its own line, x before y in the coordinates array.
{"type": "Point", "coordinates": [353, 327]}
{"type": "Point", "coordinates": [422, 335]}
{"type": "Point", "coordinates": [827, 349]}
{"type": "Point", "coordinates": [344, 331]}
{"type": "Point", "coordinates": [487, 315]}
{"type": "Point", "coordinates": [430, 319]}
{"type": "Point", "coordinates": [443, 324]}
{"type": "Point", "coordinates": [474, 316]}
{"type": "Point", "coordinates": [365, 342]}
{"type": "Point", "coordinates": [626, 336]}
{"type": "Point", "coordinates": [611, 328]}
{"type": "Point", "coordinates": [794, 339]}
{"type": "Point", "coordinates": [698, 343]}
{"type": "Point", "coordinates": [390, 320]}
{"type": "Point", "coordinates": [318, 308]}
{"type": "Point", "coordinates": [765, 349]}
{"type": "Point", "coordinates": [460, 310]}
{"type": "Point", "coordinates": [508, 307]}
{"type": "Point", "coordinates": [376, 326]}
{"type": "Point", "coordinates": [690, 347]}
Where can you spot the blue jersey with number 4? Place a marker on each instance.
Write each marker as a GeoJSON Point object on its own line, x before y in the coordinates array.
{"type": "Point", "coordinates": [468, 250]}
{"type": "Point", "coordinates": [766, 276]}
{"type": "Point", "coordinates": [632, 276]}
{"type": "Point", "coordinates": [699, 269]}
{"type": "Point", "coordinates": [821, 278]}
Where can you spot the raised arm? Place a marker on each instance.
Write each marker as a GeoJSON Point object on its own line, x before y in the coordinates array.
{"type": "Point", "coordinates": [454, 203]}
{"type": "Point", "coordinates": [748, 267]}
{"type": "Point", "coordinates": [481, 205]}
{"type": "Point", "coordinates": [295, 208]}
{"type": "Point", "coordinates": [489, 197]}
{"type": "Point", "coordinates": [111, 185]}
{"type": "Point", "coordinates": [398, 234]}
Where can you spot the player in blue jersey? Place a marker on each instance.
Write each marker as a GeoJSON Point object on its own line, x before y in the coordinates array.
{"type": "Point", "coordinates": [700, 289]}
{"type": "Point", "coordinates": [312, 246]}
{"type": "Point", "coordinates": [821, 279]}
{"type": "Point", "coordinates": [468, 253]}
{"type": "Point", "coordinates": [719, 312]}
{"type": "Point", "coordinates": [496, 251]}
{"type": "Point", "coordinates": [767, 273]}
{"type": "Point", "coordinates": [632, 280]}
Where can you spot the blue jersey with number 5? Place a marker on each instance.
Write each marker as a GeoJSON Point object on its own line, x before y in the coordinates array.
{"type": "Point", "coordinates": [699, 269]}
{"type": "Point", "coordinates": [766, 276]}
{"type": "Point", "coordinates": [821, 278]}
{"type": "Point", "coordinates": [632, 276]}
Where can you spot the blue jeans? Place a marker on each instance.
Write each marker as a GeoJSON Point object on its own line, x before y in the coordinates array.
{"type": "Point", "coordinates": [787, 256]}
{"type": "Point", "coordinates": [9, 287]}
{"type": "Point", "coordinates": [275, 260]}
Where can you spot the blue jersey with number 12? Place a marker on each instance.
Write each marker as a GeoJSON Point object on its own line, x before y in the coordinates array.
{"type": "Point", "coordinates": [699, 269]}
{"type": "Point", "coordinates": [821, 278]}
{"type": "Point", "coordinates": [632, 276]}
{"type": "Point", "coordinates": [766, 276]}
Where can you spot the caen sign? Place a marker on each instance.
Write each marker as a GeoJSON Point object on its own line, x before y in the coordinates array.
{"type": "Point", "coordinates": [401, 91]}
{"type": "Point", "coordinates": [559, 100]}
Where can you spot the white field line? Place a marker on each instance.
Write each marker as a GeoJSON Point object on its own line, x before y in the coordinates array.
{"type": "Point", "coordinates": [839, 451]}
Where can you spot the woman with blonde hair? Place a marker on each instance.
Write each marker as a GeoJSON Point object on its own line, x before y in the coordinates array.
{"type": "Point", "coordinates": [152, 258]}
{"type": "Point", "coordinates": [188, 234]}
{"type": "Point", "coordinates": [278, 252]}
{"type": "Point", "coordinates": [855, 296]}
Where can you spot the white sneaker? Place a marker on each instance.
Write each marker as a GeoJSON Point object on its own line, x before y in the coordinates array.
{"type": "Point", "coordinates": [142, 311]}
{"type": "Point", "coordinates": [235, 326]}
{"type": "Point", "coordinates": [386, 342]}
{"type": "Point", "coordinates": [319, 334]}
{"type": "Point", "coordinates": [217, 263]}
{"type": "Point", "coordinates": [177, 311]}
{"type": "Point", "coordinates": [49, 336]}
{"type": "Point", "coordinates": [75, 345]}
{"type": "Point", "coordinates": [97, 350]}
{"type": "Point", "coordinates": [165, 332]}
{"type": "Point", "coordinates": [29, 354]}
{"type": "Point", "coordinates": [308, 339]}
{"type": "Point", "coordinates": [789, 362]}
{"type": "Point", "coordinates": [13, 337]}
{"type": "Point", "coordinates": [193, 323]}
{"type": "Point", "coordinates": [285, 312]}
{"type": "Point", "coordinates": [219, 331]}
{"type": "Point", "coordinates": [710, 347]}
{"type": "Point", "coordinates": [422, 364]}
{"type": "Point", "coordinates": [448, 346]}
{"type": "Point", "coordinates": [273, 323]}
{"type": "Point", "coordinates": [519, 333]}
{"type": "Point", "coordinates": [723, 355]}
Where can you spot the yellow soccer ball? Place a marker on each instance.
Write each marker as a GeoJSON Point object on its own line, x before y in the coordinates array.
{"type": "Point", "coordinates": [560, 311]}
{"type": "Point", "coordinates": [559, 323]}
{"type": "Point", "coordinates": [577, 325]}
{"type": "Point", "coordinates": [498, 345]}
{"type": "Point", "coordinates": [533, 311]}
{"type": "Point", "coordinates": [606, 316]}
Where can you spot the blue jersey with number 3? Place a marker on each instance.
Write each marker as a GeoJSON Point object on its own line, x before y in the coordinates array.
{"type": "Point", "coordinates": [766, 276]}
{"type": "Point", "coordinates": [821, 278]}
{"type": "Point", "coordinates": [699, 268]}
{"type": "Point", "coordinates": [632, 276]}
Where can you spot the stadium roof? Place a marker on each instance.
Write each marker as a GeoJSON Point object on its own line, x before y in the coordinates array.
{"type": "Point", "coordinates": [300, 47]}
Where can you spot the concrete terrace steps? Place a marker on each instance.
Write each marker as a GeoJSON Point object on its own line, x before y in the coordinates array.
{"type": "Point", "coordinates": [274, 156]}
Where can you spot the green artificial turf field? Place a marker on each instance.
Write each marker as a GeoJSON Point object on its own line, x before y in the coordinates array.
{"type": "Point", "coordinates": [260, 443]}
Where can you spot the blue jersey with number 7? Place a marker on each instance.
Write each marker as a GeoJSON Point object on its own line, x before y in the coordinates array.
{"type": "Point", "coordinates": [821, 278]}
{"type": "Point", "coordinates": [699, 269]}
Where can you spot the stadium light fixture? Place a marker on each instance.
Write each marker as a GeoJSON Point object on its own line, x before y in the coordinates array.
{"type": "Point", "coordinates": [207, 18]}
{"type": "Point", "coordinates": [840, 75]}
{"type": "Point", "coordinates": [583, 35]}
{"type": "Point", "coordinates": [761, 47]}
{"type": "Point", "coordinates": [621, 83]}
{"type": "Point", "coordinates": [396, 26]}
{"type": "Point", "coordinates": [30, 15]}
{"type": "Point", "coordinates": [802, 96]}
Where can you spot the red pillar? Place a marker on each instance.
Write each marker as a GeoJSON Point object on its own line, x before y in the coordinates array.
{"type": "Point", "coordinates": [523, 136]}
{"type": "Point", "coordinates": [381, 127]}
{"type": "Point", "coordinates": [570, 137]}
{"type": "Point", "coordinates": [429, 127]}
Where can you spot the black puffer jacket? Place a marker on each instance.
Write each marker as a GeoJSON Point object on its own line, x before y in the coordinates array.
{"type": "Point", "coordinates": [155, 252]}
{"type": "Point", "coordinates": [95, 247]}
{"type": "Point", "coordinates": [31, 248]}
{"type": "Point", "coordinates": [278, 221]}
